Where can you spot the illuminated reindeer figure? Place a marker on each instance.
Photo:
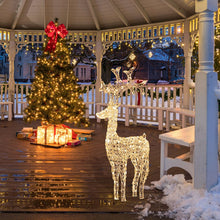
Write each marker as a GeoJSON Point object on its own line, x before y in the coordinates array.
{"type": "Point", "coordinates": [129, 73]}
{"type": "Point", "coordinates": [116, 72]}
{"type": "Point", "coordinates": [120, 149]}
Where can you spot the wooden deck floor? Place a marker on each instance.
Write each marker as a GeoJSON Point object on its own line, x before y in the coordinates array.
{"type": "Point", "coordinates": [35, 178]}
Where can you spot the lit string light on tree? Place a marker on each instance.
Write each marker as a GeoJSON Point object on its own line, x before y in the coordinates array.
{"type": "Point", "coordinates": [55, 97]}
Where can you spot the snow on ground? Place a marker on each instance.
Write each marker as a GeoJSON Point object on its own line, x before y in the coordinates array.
{"type": "Point", "coordinates": [185, 202]}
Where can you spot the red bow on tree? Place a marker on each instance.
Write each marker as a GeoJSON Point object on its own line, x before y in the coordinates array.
{"type": "Point", "coordinates": [52, 32]}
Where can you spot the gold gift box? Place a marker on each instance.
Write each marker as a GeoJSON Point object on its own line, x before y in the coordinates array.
{"type": "Point", "coordinates": [53, 134]}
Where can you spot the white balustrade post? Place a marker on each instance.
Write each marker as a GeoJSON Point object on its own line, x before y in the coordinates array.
{"type": "Point", "coordinates": [188, 55]}
{"type": "Point", "coordinates": [11, 55]}
{"type": "Point", "coordinates": [206, 119]}
{"type": "Point", "coordinates": [99, 56]}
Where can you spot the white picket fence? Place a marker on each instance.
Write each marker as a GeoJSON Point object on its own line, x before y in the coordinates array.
{"type": "Point", "coordinates": [150, 95]}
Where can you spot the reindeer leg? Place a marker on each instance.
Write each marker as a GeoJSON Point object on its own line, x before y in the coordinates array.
{"type": "Point", "coordinates": [135, 181]}
{"type": "Point", "coordinates": [115, 177]}
{"type": "Point", "coordinates": [143, 177]}
{"type": "Point", "coordinates": [123, 175]}
{"type": "Point", "coordinates": [136, 176]}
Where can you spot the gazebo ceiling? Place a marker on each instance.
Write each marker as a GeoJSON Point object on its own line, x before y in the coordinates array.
{"type": "Point", "coordinates": [91, 14]}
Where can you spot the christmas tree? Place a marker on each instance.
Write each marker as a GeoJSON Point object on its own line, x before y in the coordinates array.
{"type": "Point", "coordinates": [55, 94]}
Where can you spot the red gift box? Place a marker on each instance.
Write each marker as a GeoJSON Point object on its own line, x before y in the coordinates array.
{"type": "Point", "coordinates": [73, 143]}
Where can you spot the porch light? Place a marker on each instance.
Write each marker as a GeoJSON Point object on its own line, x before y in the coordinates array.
{"type": "Point", "coordinates": [178, 30]}
{"type": "Point", "coordinates": [150, 54]}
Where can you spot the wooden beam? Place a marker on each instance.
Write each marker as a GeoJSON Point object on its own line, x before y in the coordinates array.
{"type": "Point", "coordinates": [2, 2]}
{"type": "Point", "coordinates": [67, 14]}
{"type": "Point", "coordinates": [171, 4]}
{"type": "Point", "coordinates": [18, 14]}
{"type": "Point", "coordinates": [118, 12]}
{"type": "Point", "coordinates": [45, 14]}
{"type": "Point", "coordinates": [93, 12]}
{"type": "Point", "coordinates": [141, 10]}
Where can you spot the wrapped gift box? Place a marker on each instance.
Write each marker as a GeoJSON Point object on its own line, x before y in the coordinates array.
{"type": "Point", "coordinates": [33, 139]}
{"type": "Point", "coordinates": [73, 143]}
{"type": "Point", "coordinates": [23, 135]}
{"type": "Point", "coordinates": [84, 137]}
{"type": "Point", "coordinates": [54, 134]}
{"type": "Point", "coordinates": [28, 129]}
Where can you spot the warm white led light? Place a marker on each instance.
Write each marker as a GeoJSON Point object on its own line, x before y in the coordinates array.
{"type": "Point", "coordinates": [120, 149]}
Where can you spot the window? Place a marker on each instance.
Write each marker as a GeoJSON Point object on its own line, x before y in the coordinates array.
{"type": "Point", "coordinates": [84, 73]}
{"type": "Point", "coordinates": [77, 72]}
{"type": "Point", "coordinates": [31, 68]}
{"type": "Point", "coordinates": [20, 69]}
{"type": "Point", "coordinates": [33, 56]}
{"type": "Point", "coordinates": [81, 73]}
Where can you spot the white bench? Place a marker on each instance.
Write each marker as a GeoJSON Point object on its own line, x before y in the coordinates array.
{"type": "Point", "coordinates": [6, 109]}
{"type": "Point", "coordinates": [87, 104]}
{"type": "Point", "coordinates": [184, 137]}
{"type": "Point", "coordinates": [128, 115]}
{"type": "Point", "coordinates": [131, 113]}
{"type": "Point", "coordinates": [183, 113]}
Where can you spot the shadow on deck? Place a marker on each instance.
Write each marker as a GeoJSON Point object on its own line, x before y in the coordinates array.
{"type": "Point", "coordinates": [38, 179]}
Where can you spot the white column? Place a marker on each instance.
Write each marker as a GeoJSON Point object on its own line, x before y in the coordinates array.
{"type": "Point", "coordinates": [206, 121]}
{"type": "Point", "coordinates": [11, 55]}
{"type": "Point", "coordinates": [187, 80]}
{"type": "Point", "coordinates": [99, 56]}
{"type": "Point", "coordinates": [188, 55]}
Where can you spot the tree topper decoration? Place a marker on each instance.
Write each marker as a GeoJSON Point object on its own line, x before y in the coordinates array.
{"type": "Point", "coordinates": [53, 32]}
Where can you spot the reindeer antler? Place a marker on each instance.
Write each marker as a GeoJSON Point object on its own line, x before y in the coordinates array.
{"type": "Point", "coordinates": [116, 90]}
{"type": "Point", "coordinates": [116, 72]}
{"type": "Point", "coordinates": [129, 73]}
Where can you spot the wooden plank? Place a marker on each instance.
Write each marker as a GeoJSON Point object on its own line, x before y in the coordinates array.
{"type": "Point", "coordinates": [34, 178]}
{"type": "Point", "coordinates": [48, 145]}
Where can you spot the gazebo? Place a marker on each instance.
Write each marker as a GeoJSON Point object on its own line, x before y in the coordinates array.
{"type": "Point", "coordinates": [97, 24]}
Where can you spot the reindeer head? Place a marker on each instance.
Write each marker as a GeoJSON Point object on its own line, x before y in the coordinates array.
{"type": "Point", "coordinates": [111, 112]}
{"type": "Point", "coordinates": [114, 91]}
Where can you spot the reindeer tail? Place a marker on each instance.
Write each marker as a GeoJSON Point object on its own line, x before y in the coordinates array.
{"type": "Point", "coordinates": [144, 135]}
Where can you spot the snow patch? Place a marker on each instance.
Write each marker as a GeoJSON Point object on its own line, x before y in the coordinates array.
{"type": "Point", "coordinates": [139, 207]}
{"type": "Point", "coordinates": [185, 202]}
{"type": "Point", "coordinates": [145, 211]}
{"type": "Point", "coordinates": [147, 187]}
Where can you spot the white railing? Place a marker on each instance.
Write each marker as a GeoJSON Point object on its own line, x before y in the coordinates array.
{"type": "Point", "coordinates": [89, 98]}
{"type": "Point", "coordinates": [152, 96]}
{"type": "Point", "coordinates": [20, 101]}
{"type": "Point", "coordinates": [149, 95]}
{"type": "Point", "coordinates": [22, 90]}
{"type": "Point", "coordinates": [4, 92]}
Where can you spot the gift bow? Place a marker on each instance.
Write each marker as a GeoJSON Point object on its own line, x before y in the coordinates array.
{"type": "Point", "coordinates": [52, 32]}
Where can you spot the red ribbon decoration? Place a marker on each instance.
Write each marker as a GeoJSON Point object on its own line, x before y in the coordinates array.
{"type": "Point", "coordinates": [74, 135]}
{"type": "Point", "coordinates": [52, 32]}
{"type": "Point", "coordinates": [139, 94]}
